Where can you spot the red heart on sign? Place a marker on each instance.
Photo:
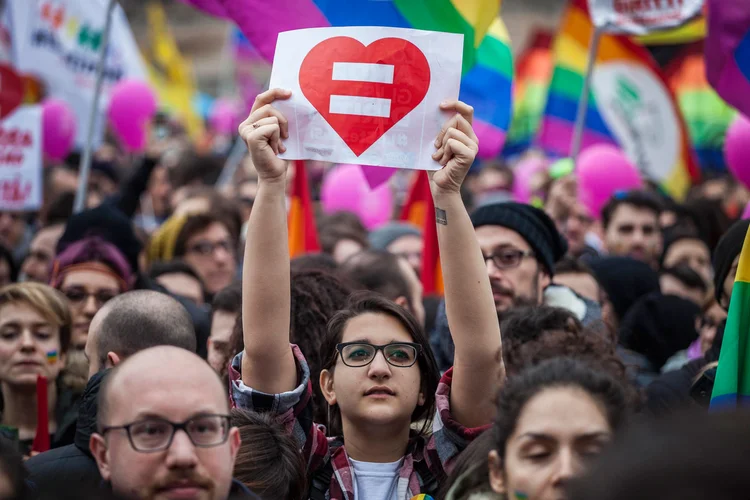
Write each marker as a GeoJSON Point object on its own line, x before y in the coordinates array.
{"type": "Point", "coordinates": [11, 90]}
{"type": "Point", "coordinates": [375, 86]}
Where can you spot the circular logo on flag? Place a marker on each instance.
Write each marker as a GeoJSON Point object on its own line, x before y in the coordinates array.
{"type": "Point", "coordinates": [638, 110]}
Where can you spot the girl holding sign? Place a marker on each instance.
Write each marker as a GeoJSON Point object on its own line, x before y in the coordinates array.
{"type": "Point", "coordinates": [379, 376]}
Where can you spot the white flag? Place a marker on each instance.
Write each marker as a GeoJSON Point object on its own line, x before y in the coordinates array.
{"type": "Point", "coordinates": [60, 42]}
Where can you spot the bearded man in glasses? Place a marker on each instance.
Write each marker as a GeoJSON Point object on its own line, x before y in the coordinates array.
{"type": "Point", "coordinates": [171, 439]}
{"type": "Point", "coordinates": [521, 245]}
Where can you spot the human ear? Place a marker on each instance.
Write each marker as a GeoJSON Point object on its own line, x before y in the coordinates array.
{"type": "Point", "coordinates": [327, 388]}
{"type": "Point", "coordinates": [497, 478]}
{"type": "Point", "coordinates": [421, 399]}
{"type": "Point", "coordinates": [112, 360]}
{"type": "Point", "coordinates": [402, 301]}
{"type": "Point", "coordinates": [98, 447]}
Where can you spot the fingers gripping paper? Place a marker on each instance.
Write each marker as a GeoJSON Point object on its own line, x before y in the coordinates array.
{"type": "Point", "coordinates": [369, 96]}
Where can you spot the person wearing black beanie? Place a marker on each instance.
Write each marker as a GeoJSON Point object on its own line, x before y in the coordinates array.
{"type": "Point", "coordinates": [726, 258]}
{"type": "Point", "coordinates": [521, 245]}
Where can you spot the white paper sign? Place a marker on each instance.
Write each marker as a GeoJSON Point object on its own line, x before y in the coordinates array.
{"type": "Point", "coordinates": [21, 160]}
{"type": "Point", "coordinates": [639, 17]}
{"type": "Point", "coordinates": [60, 42]}
{"type": "Point", "coordinates": [366, 95]}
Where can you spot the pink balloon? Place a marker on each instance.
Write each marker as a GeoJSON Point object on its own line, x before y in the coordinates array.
{"type": "Point", "coordinates": [737, 149]}
{"type": "Point", "coordinates": [376, 206]}
{"type": "Point", "coordinates": [375, 176]}
{"type": "Point", "coordinates": [58, 129]}
{"type": "Point", "coordinates": [746, 212]}
{"type": "Point", "coordinates": [603, 170]}
{"type": "Point", "coordinates": [132, 105]}
{"type": "Point", "coordinates": [224, 117]}
{"type": "Point", "coordinates": [524, 173]}
{"type": "Point", "coordinates": [343, 189]}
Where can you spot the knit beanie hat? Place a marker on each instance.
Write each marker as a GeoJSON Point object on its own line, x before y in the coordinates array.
{"type": "Point", "coordinates": [625, 280]}
{"type": "Point", "coordinates": [108, 223]}
{"type": "Point", "coordinates": [532, 224]}
{"type": "Point", "coordinates": [387, 234]}
{"type": "Point", "coordinates": [162, 245]}
{"type": "Point", "coordinates": [728, 248]}
{"type": "Point", "coordinates": [673, 235]}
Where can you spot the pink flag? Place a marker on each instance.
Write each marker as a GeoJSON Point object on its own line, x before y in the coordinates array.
{"type": "Point", "coordinates": [728, 51]}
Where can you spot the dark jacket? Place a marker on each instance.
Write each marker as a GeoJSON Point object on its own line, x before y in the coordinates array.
{"type": "Point", "coordinates": [71, 467]}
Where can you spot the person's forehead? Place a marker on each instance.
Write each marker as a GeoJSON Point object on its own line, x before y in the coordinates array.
{"type": "Point", "coordinates": [90, 278]}
{"type": "Point", "coordinates": [627, 213]}
{"type": "Point", "coordinates": [687, 245]}
{"type": "Point", "coordinates": [174, 394]}
{"type": "Point", "coordinates": [47, 237]}
{"type": "Point", "coordinates": [215, 230]}
{"type": "Point", "coordinates": [494, 236]}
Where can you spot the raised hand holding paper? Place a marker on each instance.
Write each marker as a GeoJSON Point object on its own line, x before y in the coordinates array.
{"type": "Point", "coordinates": [369, 96]}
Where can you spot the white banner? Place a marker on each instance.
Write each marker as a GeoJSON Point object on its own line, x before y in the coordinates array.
{"type": "Point", "coordinates": [21, 160]}
{"type": "Point", "coordinates": [639, 17]}
{"type": "Point", "coordinates": [60, 41]}
{"type": "Point", "coordinates": [366, 95]}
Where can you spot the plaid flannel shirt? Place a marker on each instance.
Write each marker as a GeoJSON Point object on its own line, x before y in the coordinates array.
{"type": "Point", "coordinates": [433, 453]}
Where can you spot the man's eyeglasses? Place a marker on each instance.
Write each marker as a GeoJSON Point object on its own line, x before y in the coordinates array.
{"type": "Point", "coordinates": [78, 296]}
{"type": "Point", "coordinates": [207, 248]}
{"type": "Point", "coordinates": [156, 434]}
{"type": "Point", "coordinates": [398, 354]}
{"type": "Point", "coordinates": [508, 258]}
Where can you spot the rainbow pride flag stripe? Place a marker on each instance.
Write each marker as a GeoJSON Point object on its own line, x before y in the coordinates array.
{"type": "Point", "coordinates": [570, 52]}
{"type": "Point", "coordinates": [487, 60]}
{"type": "Point", "coordinates": [732, 384]}
{"type": "Point", "coordinates": [488, 88]}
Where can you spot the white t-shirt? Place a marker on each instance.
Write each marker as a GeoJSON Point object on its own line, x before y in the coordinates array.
{"type": "Point", "coordinates": [374, 481]}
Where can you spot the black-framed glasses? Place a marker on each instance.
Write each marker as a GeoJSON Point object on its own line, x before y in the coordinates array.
{"type": "Point", "coordinates": [79, 295]}
{"type": "Point", "coordinates": [508, 258]}
{"type": "Point", "coordinates": [398, 354]}
{"type": "Point", "coordinates": [156, 434]}
{"type": "Point", "coordinates": [206, 248]}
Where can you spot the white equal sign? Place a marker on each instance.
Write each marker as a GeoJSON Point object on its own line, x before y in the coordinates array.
{"type": "Point", "coordinates": [358, 105]}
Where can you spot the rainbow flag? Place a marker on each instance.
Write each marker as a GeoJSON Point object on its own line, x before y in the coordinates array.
{"type": "Point", "coordinates": [303, 235]}
{"type": "Point", "coordinates": [262, 20]}
{"type": "Point", "coordinates": [728, 51]}
{"type": "Point", "coordinates": [692, 31]}
{"type": "Point", "coordinates": [532, 76]}
{"type": "Point", "coordinates": [628, 75]}
{"type": "Point", "coordinates": [487, 87]}
{"type": "Point", "coordinates": [419, 209]}
{"type": "Point", "coordinates": [487, 60]}
{"type": "Point", "coordinates": [707, 116]}
{"type": "Point", "coordinates": [732, 384]}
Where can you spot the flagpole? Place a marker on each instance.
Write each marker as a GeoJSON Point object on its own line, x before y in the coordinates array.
{"type": "Point", "coordinates": [232, 164]}
{"type": "Point", "coordinates": [583, 102]}
{"type": "Point", "coordinates": [85, 166]}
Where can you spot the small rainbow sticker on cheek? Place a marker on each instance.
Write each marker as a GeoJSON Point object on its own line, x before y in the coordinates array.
{"type": "Point", "coordinates": [520, 495]}
{"type": "Point", "coordinates": [52, 357]}
{"type": "Point", "coordinates": [422, 497]}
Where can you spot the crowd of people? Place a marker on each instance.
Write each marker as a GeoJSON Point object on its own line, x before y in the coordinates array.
{"type": "Point", "coordinates": [183, 354]}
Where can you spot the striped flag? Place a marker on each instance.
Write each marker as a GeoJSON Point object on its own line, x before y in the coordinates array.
{"type": "Point", "coordinates": [419, 209]}
{"type": "Point", "coordinates": [533, 74]}
{"type": "Point", "coordinates": [630, 106]}
{"type": "Point", "coordinates": [728, 51]}
{"type": "Point", "coordinates": [303, 235]}
{"type": "Point", "coordinates": [732, 384]}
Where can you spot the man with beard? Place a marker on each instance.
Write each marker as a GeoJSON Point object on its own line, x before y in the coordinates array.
{"type": "Point", "coordinates": [631, 227]}
{"type": "Point", "coordinates": [520, 245]}
{"type": "Point", "coordinates": [171, 439]}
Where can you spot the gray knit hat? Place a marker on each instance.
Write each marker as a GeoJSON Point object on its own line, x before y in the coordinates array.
{"type": "Point", "coordinates": [387, 234]}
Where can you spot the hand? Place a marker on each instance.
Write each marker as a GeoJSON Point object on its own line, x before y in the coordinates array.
{"type": "Point", "coordinates": [457, 146]}
{"type": "Point", "coordinates": [263, 131]}
{"type": "Point", "coordinates": [562, 198]}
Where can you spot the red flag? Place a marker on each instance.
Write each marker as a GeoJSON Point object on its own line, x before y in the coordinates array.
{"type": "Point", "coordinates": [303, 235]}
{"type": "Point", "coordinates": [420, 211]}
{"type": "Point", "coordinates": [41, 439]}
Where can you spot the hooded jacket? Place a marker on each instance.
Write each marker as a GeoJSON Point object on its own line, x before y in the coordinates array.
{"type": "Point", "coordinates": [72, 467]}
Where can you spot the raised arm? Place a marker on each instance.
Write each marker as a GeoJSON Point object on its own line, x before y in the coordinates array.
{"type": "Point", "coordinates": [471, 313]}
{"type": "Point", "coordinates": [268, 363]}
